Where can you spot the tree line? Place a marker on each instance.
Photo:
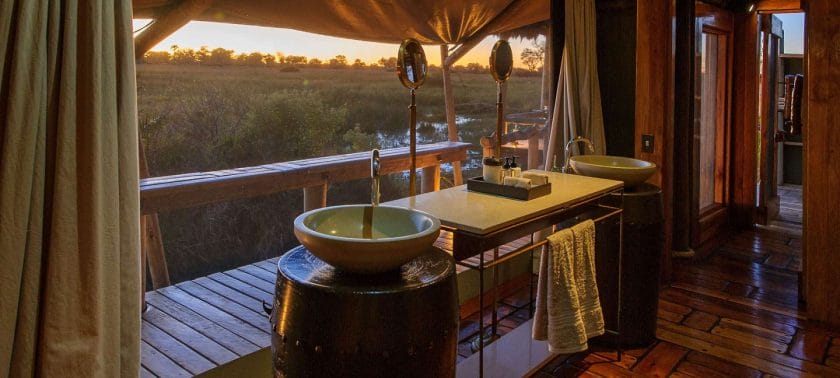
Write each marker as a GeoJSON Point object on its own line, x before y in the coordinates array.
{"type": "Point", "coordinates": [220, 56]}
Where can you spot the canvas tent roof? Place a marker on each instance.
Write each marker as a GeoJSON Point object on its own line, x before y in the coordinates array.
{"type": "Point", "coordinates": [390, 21]}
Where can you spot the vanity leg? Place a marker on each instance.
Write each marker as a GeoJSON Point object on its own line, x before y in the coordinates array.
{"type": "Point", "coordinates": [495, 321]}
{"type": "Point", "coordinates": [481, 315]}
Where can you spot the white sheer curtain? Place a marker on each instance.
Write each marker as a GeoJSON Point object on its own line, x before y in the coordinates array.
{"type": "Point", "coordinates": [69, 202]}
{"type": "Point", "coordinates": [577, 105]}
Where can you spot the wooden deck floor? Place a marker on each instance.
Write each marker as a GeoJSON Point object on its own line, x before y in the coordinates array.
{"type": "Point", "coordinates": [734, 314]}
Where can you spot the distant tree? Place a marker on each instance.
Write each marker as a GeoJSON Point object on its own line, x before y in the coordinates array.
{"type": "Point", "coordinates": [532, 57]}
{"type": "Point", "coordinates": [475, 68]}
{"type": "Point", "coordinates": [254, 59]}
{"type": "Point", "coordinates": [202, 55]}
{"type": "Point", "coordinates": [220, 57]}
{"type": "Point", "coordinates": [315, 62]}
{"type": "Point", "coordinates": [268, 59]}
{"type": "Point", "coordinates": [340, 61]}
{"type": "Point", "coordinates": [182, 56]}
{"type": "Point", "coordinates": [296, 60]}
{"type": "Point", "coordinates": [281, 58]}
{"type": "Point", "coordinates": [156, 57]}
{"type": "Point", "coordinates": [388, 64]}
{"type": "Point", "coordinates": [358, 63]}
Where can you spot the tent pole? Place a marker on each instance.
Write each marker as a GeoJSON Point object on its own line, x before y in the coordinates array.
{"type": "Point", "coordinates": [449, 100]}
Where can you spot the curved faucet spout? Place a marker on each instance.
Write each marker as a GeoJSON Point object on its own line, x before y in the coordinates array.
{"type": "Point", "coordinates": [374, 176]}
{"type": "Point", "coordinates": [568, 151]}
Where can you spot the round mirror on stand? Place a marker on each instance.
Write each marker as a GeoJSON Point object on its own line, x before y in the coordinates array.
{"type": "Point", "coordinates": [501, 65]}
{"type": "Point", "coordinates": [411, 69]}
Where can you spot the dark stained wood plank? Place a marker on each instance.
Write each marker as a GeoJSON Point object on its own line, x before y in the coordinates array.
{"type": "Point", "coordinates": [767, 307]}
{"type": "Point", "coordinates": [669, 316]}
{"type": "Point", "coordinates": [253, 316]}
{"type": "Point", "coordinates": [256, 335]}
{"type": "Point", "coordinates": [230, 294]}
{"type": "Point", "coordinates": [604, 367]}
{"type": "Point", "coordinates": [745, 353]}
{"type": "Point", "coordinates": [158, 364]}
{"type": "Point", "coordinates": [185, 334]}
{"type": "Point", "coordinates": [175, 350]}
{"type": "Point", "coordinates": [260, 273]}
{"type": "Point", "coordinates": [809, 346]}
{"type": "Point", "coordinates": [144, 373]}
{"type": "Point", "coordinates": [661, 360]}
{"type": "Point", "coordinates": [674, 307]}
{"type": "Point", "coordinates": [739, 290]}
{"type": "Point", "coordinates": [728, 368]}
{"type": "Point", "coordinates": [701, 320]}
{"type": "Point", "coordinates": [206, 327]}
{"type": "Point", "coordinates": [751, 339]}
{"type": "Point", "coordinates": [691, 369]}
{"type": "Point", "coordinates": [722, 309]}
{"type": "Point", "coordinates": [265, 286]}
{"type": "Point", "coordinates": [756, 330]}
{"type": "Point", "coordinates": [242, 287]}
{"type": "Point", "coordinates": [727, 354]}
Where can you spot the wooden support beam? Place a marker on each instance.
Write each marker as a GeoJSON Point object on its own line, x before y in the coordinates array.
{"type": "Point", "coordinates": [167, 23]}
{"type": "Point", "coordinates": [315, 197]}
{"type": "Point", "coordinates": [449, 101]}
{"type": "Point", "coordinates": [654, 107]}
{"type": "Point", "coordinates": [534, 151]}
{"type": "Point", "coordinates": [151, 242]}
{"type": "Point", "coordinates": [745, 120]}
{"type": "Point", "coordinates": [779, 6]}
{"type": "Point", "coordinates": [821, 178]}
{"type": "Point", "coordinates": [430, 179]}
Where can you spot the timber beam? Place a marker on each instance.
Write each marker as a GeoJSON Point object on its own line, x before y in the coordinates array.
{"type": "Point", "coordinates": [167, 23]}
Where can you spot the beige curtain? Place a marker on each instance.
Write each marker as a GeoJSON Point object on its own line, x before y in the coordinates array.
{"type": "Point", "coordinates": [577, 106]}
{"type": "Point", "coordinates": [69, 201]}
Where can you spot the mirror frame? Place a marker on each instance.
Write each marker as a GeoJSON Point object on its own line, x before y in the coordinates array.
{"type": "Point", "coordinates": [494, 63]}
{"type": "Point", "coordinates": [401, 64]}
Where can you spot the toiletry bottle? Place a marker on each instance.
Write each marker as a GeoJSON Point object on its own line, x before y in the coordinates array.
{"type": "Point", "coordinates": [506, 169]}
{"type": "Point", "coordinates": [515, 171]}
{"type": "Point", "coordinates": [492, 170]}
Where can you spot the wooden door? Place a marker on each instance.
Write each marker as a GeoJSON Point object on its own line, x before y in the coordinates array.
{"type": "Point", "coordinates": [711, 149]}
{"type": "Point", "coordinates": [767, 200]}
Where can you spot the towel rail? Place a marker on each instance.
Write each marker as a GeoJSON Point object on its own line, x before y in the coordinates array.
{"type": "Point", "coordinates": [532, 246]}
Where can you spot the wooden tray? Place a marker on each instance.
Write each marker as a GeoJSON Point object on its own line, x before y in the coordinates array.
{"type": "Point", "coordinates": [477, 184]}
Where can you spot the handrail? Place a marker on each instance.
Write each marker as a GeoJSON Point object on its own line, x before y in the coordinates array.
{"type": "Point", "coordinates": [166, 193]}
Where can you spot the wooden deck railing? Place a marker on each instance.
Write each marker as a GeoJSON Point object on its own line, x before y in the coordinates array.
{"type": "Point", "coordinates": [165, 193]}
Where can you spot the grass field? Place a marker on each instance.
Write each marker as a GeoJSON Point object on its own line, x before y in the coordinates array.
{"type": "Point", "coordinates": [199, 118]}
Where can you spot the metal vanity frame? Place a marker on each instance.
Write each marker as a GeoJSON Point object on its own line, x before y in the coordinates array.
{"type": "Point", "coordinates": [467, 244]}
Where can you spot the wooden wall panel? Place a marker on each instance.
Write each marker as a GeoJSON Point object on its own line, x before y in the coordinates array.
{"type": "Point", "coordinates": [654, 101]}
{"type": "Point", "coordinates": [822, 154]}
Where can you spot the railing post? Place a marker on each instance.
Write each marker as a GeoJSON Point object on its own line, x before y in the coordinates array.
{"type": "Point", "coordinates": [315, 197]}
{"type": "Point", "coordinates": [152, 245]}
{"type": "Point", "coordinates": [534, 152]}
{"type": "Point", "coordinates": [430, 180]}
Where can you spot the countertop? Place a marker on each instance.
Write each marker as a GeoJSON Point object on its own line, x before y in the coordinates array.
{"type": "Point", "coordinates": [482, 213]}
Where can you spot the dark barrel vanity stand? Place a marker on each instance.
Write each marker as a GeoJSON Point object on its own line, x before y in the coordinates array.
{"type": "Point", "coordinates": [326, 322]}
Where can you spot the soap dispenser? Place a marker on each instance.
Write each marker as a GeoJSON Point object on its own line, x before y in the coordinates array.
{"type": "Point", "coordinates": [515, 171]}
{"type": "Point", "coordinates": [506, 169]}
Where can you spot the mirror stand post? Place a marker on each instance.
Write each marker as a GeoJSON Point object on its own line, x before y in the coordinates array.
{"type": "Point", "coordinates": [412, 147]}
{"type": "Point", "coordinates": [500, 122]}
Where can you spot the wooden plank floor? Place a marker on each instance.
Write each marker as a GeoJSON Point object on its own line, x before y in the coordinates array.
{"type": "Point", "coordinates": [736, 313]}
{"type": "Point", "coordinates": [789, 219]}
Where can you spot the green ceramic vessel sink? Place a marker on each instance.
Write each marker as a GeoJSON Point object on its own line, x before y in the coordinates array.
{"type": "Point", "coordinates": [339, 236]}
{"type": "Point", "coordinates": [633, 172]}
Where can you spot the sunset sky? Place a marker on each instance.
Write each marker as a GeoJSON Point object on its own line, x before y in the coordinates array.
{"type": "Point", "coordinates": [242, 38]}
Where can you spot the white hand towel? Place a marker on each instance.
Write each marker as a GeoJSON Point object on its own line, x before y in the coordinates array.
{"type": "Point", "coordinates": [568, 310]}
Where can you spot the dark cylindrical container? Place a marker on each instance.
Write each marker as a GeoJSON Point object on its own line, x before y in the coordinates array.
{"type": "Point", "coordinates": [643, 241]}
{"type": "Point", "coordinates": [329, 323]}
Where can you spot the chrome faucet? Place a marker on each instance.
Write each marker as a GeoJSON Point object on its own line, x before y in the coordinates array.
{"type": "Point", "coordinates": [374, 177]}
{"type": "Point", "coordinates": [568, 152]}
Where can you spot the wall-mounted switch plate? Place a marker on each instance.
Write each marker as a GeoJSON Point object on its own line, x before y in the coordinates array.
{"type": "Point", "coordinates": [647, 143]}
